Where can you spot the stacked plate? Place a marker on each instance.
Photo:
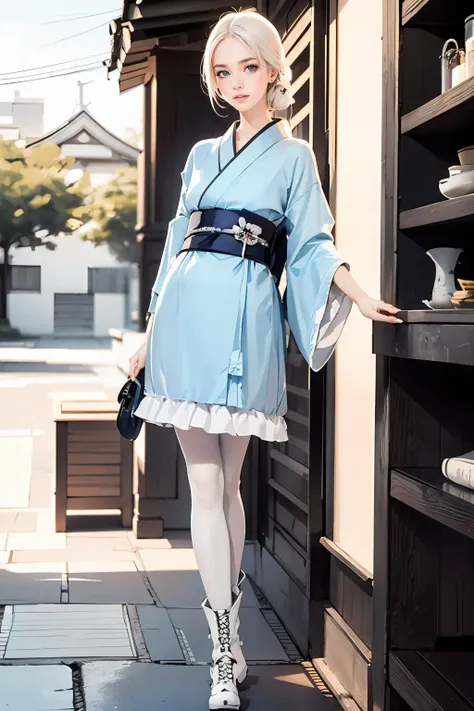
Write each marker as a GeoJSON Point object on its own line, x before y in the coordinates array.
{"type": "Point", "coordinates": [461, 177]}
{"type": "Point", "coordinates": [459, 183]}
{"type": "Point", "coordinates": [464, 299]}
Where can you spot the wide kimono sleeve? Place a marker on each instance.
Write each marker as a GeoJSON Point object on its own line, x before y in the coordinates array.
{"type": "Point", "coordinates": [316, 308]}
{"type": "Point", "coordinates": [175, 235]}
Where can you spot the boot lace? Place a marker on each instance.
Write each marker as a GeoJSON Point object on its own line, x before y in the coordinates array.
{"type": "Point", "coordinates": [226, 662]}
{"type": "Point", "coordinates": [225, 671]}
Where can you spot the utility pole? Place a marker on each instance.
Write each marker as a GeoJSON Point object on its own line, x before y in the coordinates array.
{"type": "Point", "coordinates": [81, 85]}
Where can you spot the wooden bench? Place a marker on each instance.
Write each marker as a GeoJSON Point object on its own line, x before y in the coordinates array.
{"type": "Point", "coordinates": [93, 462]}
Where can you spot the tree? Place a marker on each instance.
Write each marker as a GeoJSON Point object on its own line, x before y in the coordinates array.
{"type": "Point", "coordinates": [36, 202]}
{"type": "Point", "coordinates": [113, 214]}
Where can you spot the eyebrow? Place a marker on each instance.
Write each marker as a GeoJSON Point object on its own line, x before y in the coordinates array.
{"type": "Point", "coordinates": [242, 61]}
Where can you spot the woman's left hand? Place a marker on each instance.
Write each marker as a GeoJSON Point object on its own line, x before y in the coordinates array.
{"type": "Point", "coordinates": [378, 310]}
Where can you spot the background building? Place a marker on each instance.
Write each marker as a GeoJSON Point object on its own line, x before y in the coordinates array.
{"type": "Point", "coordinates": [21, 118]}
{"type": "Point", "coordinates": [79, 288]}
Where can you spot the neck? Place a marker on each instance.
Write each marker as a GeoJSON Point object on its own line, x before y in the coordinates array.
{"type": "Point", "coordinates": [251, 122]}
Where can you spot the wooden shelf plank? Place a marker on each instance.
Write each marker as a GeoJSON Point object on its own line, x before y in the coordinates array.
{"type": "Point", "coordinates": [457, 211]}
{"type": "Point", "coordinates": [423, 686]}
{"type": "Point", "coordinates": [430, 493]}
{"type": "Point", "coordinates": [452, 666]}
{"type": "Point", "coordinates": [465, 316]}
{"type": "Point", "coordinates": [435, 342]}
{"type": "Point", "coordinates": [450, 112]}
{"type": "Point", "coordinates": [421, 13]}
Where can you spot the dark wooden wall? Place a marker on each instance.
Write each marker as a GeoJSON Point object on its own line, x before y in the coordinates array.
{"type": "Point", "coordinates": [177, 114]}
{"type": "Point", "coordinates": [172, 90]}
{"type": "Point", "coordinates": [290, 476]}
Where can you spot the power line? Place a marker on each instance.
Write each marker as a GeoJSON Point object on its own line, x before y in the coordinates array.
{"type": "Point", "coordinates": [32, 77]}
{"type": "Point", "coordinates": [91, 68]}
{"type": "Point", "coordinates": [78, 34]}
{"type": "Point", "coordinates": [80, 17]}
{"type": "Point", "coordinates": [56, 64]}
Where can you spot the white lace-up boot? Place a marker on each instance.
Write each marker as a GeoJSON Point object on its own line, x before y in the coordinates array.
{"type": "Point", "coordinates": [236, 646]}
{"type": "Point", "coordinates": [240, 670]}
{"type": "Point", "coordinates": [224, 694]}
{"type": "Point", "coordinates": [237, 588]}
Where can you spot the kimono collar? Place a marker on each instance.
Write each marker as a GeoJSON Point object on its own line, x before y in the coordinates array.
{"type": "Point", "coordinates": [278, 128]}
{"type": "Point", "coordinates": [231, 164]}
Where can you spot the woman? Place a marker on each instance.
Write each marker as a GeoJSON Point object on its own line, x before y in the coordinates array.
{"type": "Point", "coordinates": [214, 351]}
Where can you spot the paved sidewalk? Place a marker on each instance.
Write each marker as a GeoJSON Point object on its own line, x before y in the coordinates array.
{"type": "Point", "coordinates": [95, 619]}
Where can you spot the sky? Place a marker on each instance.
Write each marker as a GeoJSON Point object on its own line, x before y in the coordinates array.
{"type": "Point", "coordinates": [28, 43]}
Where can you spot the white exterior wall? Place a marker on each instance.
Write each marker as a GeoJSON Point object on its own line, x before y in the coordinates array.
{"type": "Point", "coordinates": [64, 270]}
{"type": "Point", "coordinates": [28, 115]}
{"type": "Point", "coordinates": [31, 313]}
{"type": "Point", "coordinates": [109, 312]}
{"type": "Point", "coordinates": [358, 210]}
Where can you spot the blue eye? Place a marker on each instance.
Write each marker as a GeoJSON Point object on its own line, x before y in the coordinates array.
{"type": "Point", "coordinates": [252, 67]}
{"type": "Point", "coordinates": [221, 73]}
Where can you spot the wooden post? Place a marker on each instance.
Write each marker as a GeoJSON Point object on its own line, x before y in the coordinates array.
{"type": "Point", "coordinates": [61, 476]}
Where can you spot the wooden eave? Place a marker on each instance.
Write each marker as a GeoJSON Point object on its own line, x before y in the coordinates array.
{"type": "Point", "coordinates": [145, 23]}
{"type": "Point", "coordinates": [171, 9]}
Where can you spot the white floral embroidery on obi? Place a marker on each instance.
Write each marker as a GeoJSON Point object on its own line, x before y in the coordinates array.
{"type": "Point", "coordinates": [247, 233]}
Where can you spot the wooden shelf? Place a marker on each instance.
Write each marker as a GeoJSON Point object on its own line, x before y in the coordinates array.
{"type": "Point", "coordinates": [439, 681]}
{"type": "Point", "coordinates": [449, 113]}
{"type": "Point", "coordinates": [422, 13]}
{"type": "Point", "coordinates": [465, 316]}
{"type": "Point", "coordinates": [458, 213]}
{"type": "Point", "coordinates": [435, 342]}
{"type": "Point", "coordinates": [430, 493]}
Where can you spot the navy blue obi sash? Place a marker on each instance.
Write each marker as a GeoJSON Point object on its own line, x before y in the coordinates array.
{"type": "Point", "coordinates": [240, 233]}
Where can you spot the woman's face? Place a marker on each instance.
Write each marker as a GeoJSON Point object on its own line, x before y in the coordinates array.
{"type": "Point", "coordinates": [241, 78]}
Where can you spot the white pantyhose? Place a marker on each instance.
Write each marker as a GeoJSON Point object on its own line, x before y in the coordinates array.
{"type": "Point", "coordinates": [214, 463]}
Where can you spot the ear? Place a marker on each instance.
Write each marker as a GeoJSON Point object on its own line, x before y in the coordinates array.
{"type": "Point", "coordinates": [273, 75]}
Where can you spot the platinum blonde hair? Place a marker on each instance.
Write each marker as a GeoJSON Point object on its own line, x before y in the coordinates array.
{"type": "Point", "coordinates": [262, 38]}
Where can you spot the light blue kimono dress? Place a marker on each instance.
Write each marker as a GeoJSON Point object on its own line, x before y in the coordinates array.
{"type": "Point", "coordinates": [217, 346]}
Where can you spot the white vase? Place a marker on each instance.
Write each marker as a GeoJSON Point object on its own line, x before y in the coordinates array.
{"type": "Point", "coordinates": [445, 259]}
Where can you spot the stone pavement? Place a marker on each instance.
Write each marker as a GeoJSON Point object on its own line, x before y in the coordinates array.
{"type": "Point", "coordinates": [93, 618]}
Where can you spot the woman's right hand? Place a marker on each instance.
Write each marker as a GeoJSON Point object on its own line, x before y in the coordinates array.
{"type": "Point", "coordinates": [137, 361]}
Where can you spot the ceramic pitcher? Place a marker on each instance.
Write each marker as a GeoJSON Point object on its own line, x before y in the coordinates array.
{"type": "Point", "coordinates": [445, 259]}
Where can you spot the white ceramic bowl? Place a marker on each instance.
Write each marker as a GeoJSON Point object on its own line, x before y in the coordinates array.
{"type": "Point", "coordinates": [457, 185]}
{"type": "Point", "coordinates": [466, 155]}
{"type": "Point", "coordinates": [455, 169]}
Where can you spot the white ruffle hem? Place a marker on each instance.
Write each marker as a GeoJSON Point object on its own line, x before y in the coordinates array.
{"type": "Point", "coordinates": [214, 419]}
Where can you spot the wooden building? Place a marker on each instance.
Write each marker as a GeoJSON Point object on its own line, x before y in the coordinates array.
{"type": "Point", "coordinates": [424, 524]}
{"type": "Point", "coordinates": [79, 288]}
{"type": "Point", "coordinates": [358, 484]}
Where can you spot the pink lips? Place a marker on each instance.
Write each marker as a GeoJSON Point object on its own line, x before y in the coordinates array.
{"type": "Point", "coordinates": [241, 96]}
